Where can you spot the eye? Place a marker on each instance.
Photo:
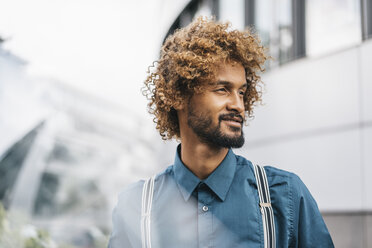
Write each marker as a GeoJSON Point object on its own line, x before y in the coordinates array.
{"type": "Point", "coordinates": [221, 90]}
{"type": "Point", "coordinates": [242, 92]}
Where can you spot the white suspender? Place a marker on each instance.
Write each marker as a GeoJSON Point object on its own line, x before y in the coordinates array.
{"type": "Point", "coordinates": [147, 194]}
{"type": "Point", "coordinates": [265, 206]}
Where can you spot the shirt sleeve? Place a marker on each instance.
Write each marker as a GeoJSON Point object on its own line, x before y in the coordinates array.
{"type": "Point", "coordinates": [119, 236]}
{"type": "Point", "coordinates": [309, 227]}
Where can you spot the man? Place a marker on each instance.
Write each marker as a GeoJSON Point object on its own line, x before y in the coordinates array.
{"type": "Point", "coordinates": [203, 88]}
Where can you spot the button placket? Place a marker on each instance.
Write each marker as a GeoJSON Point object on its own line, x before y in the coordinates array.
{"type": "Point", "coordinates": [205, 227]}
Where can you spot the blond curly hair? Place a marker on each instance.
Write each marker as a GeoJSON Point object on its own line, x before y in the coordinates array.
{"type": "Point", "coordinates": [189, 58]}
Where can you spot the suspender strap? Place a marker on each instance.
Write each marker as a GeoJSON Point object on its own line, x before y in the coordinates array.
{"type": "Point", "coordinates": [147, 195]}
{"type": "Point", "coordinates": [265, 206]}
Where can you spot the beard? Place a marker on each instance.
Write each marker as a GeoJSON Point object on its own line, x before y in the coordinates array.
{"type": "Point", "coordinates": [201, 124]}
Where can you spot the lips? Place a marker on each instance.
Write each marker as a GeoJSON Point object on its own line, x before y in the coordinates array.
{"type": "Point", "coordinates": [233, 120]}
{"type": "Point", "coordinates": [237, 119]}
{"type": "Point", "coordinates": [233, 117]}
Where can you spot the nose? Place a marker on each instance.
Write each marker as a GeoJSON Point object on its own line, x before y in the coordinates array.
{"type": "Point", "coordinates": [236, 103]}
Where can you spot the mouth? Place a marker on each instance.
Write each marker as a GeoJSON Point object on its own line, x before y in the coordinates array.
{"type": "Point", "coordinates": [235, 121]}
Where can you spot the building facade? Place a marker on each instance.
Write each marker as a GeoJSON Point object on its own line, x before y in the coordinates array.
{"type": "Point", "coordinates": [317, 115]}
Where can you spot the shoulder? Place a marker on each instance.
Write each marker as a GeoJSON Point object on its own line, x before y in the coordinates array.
{"type": "Point", "coordinates": [294, 182]}
{"type": "Point", "coordinates": [270, 170]}
{"type": "Point", "coordinates": [282, 175]}
{"type": "Point", "coordinates": [242, 161]}
{"type": "Point", "coordinates": [277, 176]}
{"type": "Point", "coordinates": [129, 198]}
{"type": "Point", "coordinates": [132, 193]}
{"type": "Point", "coordinates": [298, 193]}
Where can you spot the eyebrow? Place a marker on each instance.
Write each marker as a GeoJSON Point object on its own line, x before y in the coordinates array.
{"type": "Point", "coordinates": [227, 83]}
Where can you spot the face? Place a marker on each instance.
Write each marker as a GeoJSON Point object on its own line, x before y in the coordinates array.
{"type": "Point", "coordinates": [216, 116]}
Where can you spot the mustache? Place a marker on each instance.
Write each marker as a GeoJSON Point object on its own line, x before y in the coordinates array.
{"type": "Point", "coordinates": [231, 117]}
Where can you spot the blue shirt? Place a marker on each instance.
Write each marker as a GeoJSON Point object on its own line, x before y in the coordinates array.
{"type": "Point", "coordinates": [220, 211]}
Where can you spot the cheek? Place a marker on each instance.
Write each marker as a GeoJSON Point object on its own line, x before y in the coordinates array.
{"type": "Point", "coordinates": [211, 106]}
{"type": "Point", "coordinates": [217, 103]}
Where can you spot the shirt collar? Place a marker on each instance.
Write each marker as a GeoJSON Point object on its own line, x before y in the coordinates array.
{"type": "Point", "coordinates": [219, 181]}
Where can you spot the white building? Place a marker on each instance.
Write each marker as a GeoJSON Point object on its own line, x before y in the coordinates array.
{"type": "Point", "coordinates": [317, 115]}
{"type": "Point", "coordinates": [65, 155]}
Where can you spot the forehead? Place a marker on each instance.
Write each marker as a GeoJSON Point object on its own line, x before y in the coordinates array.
{"type": "Point", "coordinates": [231, 72]}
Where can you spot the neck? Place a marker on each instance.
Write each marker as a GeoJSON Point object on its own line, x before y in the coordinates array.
{"type": "Point", "coordinates": [200, 158]}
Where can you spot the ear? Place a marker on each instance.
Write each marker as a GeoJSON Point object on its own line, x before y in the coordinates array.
{"type": "Point", "coordinates": [181, 105]}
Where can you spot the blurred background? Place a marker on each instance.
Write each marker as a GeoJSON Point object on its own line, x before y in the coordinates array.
{"type": "Point", "coordinates": [74, 129]}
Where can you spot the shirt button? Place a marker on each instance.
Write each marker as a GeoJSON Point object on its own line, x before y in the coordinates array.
{"type": "Point", "coordinates": [205, 208]}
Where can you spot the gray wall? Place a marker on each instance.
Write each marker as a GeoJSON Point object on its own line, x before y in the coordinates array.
{"type": "Point", "coordinates": [350, 230]}
{"type": "Point", "coordinates": [317, 122]}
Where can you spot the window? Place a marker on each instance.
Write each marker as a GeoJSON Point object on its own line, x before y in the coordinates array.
{"type": "Point", "coordinates": [11, 164]}
{"type": "Point", "coordinates": [366, 19]}
{"type": "Point", "coordinates": [280, 24]}
{"type": "Point", "coordinates": [193, 9]}
{"type": "Point", "coordinates": [332, 25]}
{"type": "Point", "coordinates": [232, 11]}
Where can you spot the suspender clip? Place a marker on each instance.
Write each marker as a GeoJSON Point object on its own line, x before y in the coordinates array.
{"type": "Point", "coordinates": [265, 204]}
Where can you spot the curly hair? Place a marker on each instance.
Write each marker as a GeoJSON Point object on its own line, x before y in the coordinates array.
{"type": "Point", "coordinates": [189, 58]}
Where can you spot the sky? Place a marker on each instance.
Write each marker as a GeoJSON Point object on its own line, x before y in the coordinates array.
{"type": "Point", "coordinates": [102, 47]}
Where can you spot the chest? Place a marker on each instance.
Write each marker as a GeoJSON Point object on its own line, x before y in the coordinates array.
{"type": "Point", "coordinates": [204, 220]}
